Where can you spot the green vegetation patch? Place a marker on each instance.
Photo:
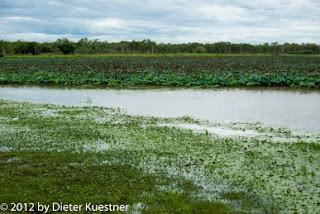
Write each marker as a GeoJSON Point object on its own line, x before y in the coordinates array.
{"type": "Point", "coordinates": [164, 71]}
{"type": "Point", "coordinates": [66, 177]}
{"type": "Point", "coordinates": [88, 154]}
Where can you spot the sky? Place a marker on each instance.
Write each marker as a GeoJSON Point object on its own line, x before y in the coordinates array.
{"type": "Point", "coordinates": [174, 21]}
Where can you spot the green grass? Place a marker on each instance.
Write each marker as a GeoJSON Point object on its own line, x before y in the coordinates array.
{"type": "Point", "coordinates": [188, 70]}
{"type": "Point", "coordinates": [87, 154]}
{"type": "Point", "coordinates": [48, 177]}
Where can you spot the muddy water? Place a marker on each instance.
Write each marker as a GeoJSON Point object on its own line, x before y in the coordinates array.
{"type": "Point", "coordinates": [292, 109]}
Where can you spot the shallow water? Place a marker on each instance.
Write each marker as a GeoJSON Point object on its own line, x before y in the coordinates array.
{"type": "Point", "coordinates": [292, 109]}
{"type": "Point", "coordinates": [221, 131]}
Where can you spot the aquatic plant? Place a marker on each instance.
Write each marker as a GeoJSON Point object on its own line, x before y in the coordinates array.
{"type": "Point", "coordinates": [167, 71]}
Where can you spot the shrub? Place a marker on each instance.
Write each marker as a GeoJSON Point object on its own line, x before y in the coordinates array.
{"type": "Point", "coordinates": [65, 46]}
{"type": "Point", "coordinates": [200, 49]}
{"type": "Point", "coordinates": [26, 48]}
{"type": "Point", "coordinates": [2, 52]}
{"type": "Point", "coordinates": [306, 52]}
{"type": "Point", "coordinates": [302, 52]}
{"type": "Point", "coordinates": [45, 49]}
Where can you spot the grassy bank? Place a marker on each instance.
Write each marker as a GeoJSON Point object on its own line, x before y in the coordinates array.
{"type": "Point", "coordinates": [86, 154]}
{"type": "Point", "coordinates": [207, 71]}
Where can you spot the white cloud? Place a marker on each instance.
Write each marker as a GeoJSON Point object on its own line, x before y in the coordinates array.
{"type": "Point", "coordinates": [18, 18]}
{"type": "Point", "coordinates": [105, 25]}
{"type": "Point", "coordinates": [222, 12]}
{"type": "Point", "coordinates": [28, 36]}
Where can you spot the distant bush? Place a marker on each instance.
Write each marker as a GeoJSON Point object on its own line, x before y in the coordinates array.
{"type": "Point", "coordinates": [200, 49]}
{"type": "Point", "coordinates": [44, 48]}
{"type": "Point", "coordinates": [26, 48]}
{"type": "Point", "coordinates": [302, 52]}
{"type": "Point", "coordinates": [2, 53]}
{"type": "Point", "coordinates": [65, 46]}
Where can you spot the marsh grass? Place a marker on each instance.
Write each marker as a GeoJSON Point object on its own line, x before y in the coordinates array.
{"type": "Point", "coordinates": [50, 177]}
{"type": "Point", "coordinates": [80, 154]}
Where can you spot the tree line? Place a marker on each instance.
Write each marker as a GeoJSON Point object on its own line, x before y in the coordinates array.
{"type": "Point", "coordinates": [86, 46]}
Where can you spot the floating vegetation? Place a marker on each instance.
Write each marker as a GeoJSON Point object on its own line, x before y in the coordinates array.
{"type": "Point", "coordinates": [168, 71]}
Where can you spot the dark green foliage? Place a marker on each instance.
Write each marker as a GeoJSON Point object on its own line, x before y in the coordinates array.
{"type": "Point", "coordinates": [65, 46]}
{"type": "Point", "coordinates": [200, 49]}
{"type": "Point", "coordinates": [302, 52]}
{"type": "Point", "coordinates": [27, 48]}
{"type": "Point", "coordinates": [2, 52]}
{"type": "Point", "coordinates": [86, 46]}
{"type": "Point", "coordinates": [169, 71]}
{"type": "Point", "coordinates": [45, 48]}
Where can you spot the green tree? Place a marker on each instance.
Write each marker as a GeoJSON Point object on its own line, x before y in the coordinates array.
{"type": "Point", "coordinates": [26, 48]}
{"type": "Point", "coordinates": [65, 46]}
{"type": "Point", "coordinates": [199, 49]}
{"type": "Point", "coordinates": [2, 52]}
{"type": "Point", "coordinates": [275, 49]}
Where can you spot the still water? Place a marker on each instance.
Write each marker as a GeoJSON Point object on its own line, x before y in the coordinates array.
{"type": "Point", "coordinates": [292, 109]}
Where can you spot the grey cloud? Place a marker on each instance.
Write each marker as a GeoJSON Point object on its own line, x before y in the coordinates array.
{"type": "Point", "coordinates": [164, 21]}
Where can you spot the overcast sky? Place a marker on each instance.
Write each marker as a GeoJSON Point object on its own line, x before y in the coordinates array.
{"type": "Point", "coordinates": [253, 21]}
